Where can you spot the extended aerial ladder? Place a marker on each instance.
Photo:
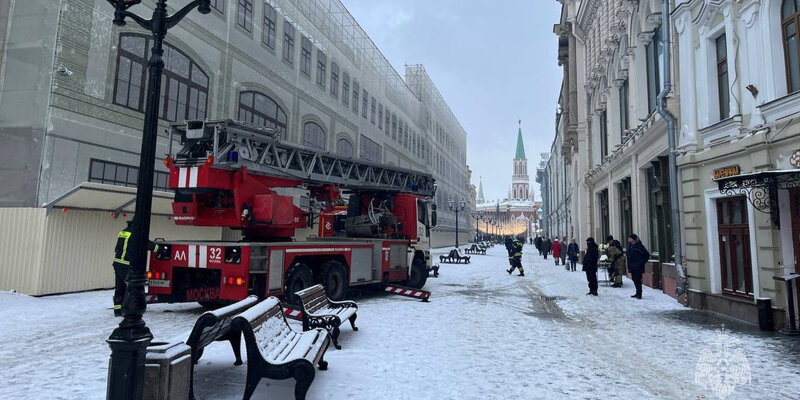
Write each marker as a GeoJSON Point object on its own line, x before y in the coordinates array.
{"type": "Point", "coordinates": [297, 230]}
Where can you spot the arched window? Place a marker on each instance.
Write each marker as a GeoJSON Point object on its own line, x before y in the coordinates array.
{"type": "Point", "coordinates": [258, 108]}
{"type": "Point", "coordinates": [313, 136]}
{"type": "Point", "coordinates": [344, 148]}
{"type": "Point", "coordinates": [184, 86]}
{"type": "Point", "coordinates": [790, 19]}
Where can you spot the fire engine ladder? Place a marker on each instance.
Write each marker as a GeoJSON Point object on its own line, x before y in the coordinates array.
{"type": "Point", "coordinates": [238, 144]}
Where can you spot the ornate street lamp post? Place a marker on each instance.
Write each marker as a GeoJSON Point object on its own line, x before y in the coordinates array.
{"type": "Point", "coordinates": [478, 217]}
{"type": "Point", "coordinates": [129, 341]}
{"type": "Point", "coordinates": [488, 220]}
{"type": "Point", "coordinates": [456, 208]}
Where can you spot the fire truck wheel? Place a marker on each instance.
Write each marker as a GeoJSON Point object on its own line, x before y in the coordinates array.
{"type": "Point", "coordinates": [419, 274]}
{"type": "Point", "coordinates": [297, 278]}
{"type": "Point", "coordinates": [334, 279]}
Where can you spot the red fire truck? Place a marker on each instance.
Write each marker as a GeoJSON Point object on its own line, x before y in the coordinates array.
{"type": "Point", "coordinates": [306, 217]}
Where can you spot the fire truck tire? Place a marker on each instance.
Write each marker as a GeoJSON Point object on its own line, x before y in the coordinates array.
{"type": "Point", "coordinates": [298, 277]}
{"type": "Point", "coordinates": [419, 274]}
{"type": "Point", "coordinates": [334, 279]}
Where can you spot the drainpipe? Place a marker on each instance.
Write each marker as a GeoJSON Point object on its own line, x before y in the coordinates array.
{"type": "Point", "coordinates": [673, 167]}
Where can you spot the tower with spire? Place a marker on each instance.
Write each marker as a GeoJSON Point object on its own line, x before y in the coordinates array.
{"type": "Point", "coordinates": [520, 182]}
{"type": "Point", "coordinates": [481, 198]}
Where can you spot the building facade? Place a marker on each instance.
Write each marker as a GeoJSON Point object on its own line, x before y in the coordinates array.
{"type": "Point", "coordinates": [739, 141]}
{"type": "Point", "coordinates": [72, 96]}
{"type": "Point", "coordinates": [735, 79]}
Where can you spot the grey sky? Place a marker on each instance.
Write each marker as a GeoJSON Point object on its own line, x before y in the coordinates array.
{"type": "Point", "coordinates": [493, 61]}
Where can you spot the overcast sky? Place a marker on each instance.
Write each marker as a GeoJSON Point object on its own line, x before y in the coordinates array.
{"type": "Point", "coordinates": [493, 61]}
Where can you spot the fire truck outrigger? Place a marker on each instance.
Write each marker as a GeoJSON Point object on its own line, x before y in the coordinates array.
{"type": "Point", "coordinates": [297, 229]}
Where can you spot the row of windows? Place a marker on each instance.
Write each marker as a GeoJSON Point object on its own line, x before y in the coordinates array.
{"type": "Point", "coordinates": [122, 175]}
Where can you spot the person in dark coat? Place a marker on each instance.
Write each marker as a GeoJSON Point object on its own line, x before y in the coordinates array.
{"type": "Point", "coordinates": [637, 257]}
{"type": "Point", "coordinates": [616, 256]}
{"type": "Point", "coordinates": [572, 253]}
{"type": "Point", "coordinates": [564, 252]}
{"type": "Point", "coordinates": [590, 265]}
{"type": "Point", "coordinates": [538, 244]}
{"type": "Point", "coordinates": [546, 245]}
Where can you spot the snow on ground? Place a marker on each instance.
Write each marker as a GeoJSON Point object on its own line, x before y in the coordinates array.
{"type": "Point", "coordinates": [484, 335]}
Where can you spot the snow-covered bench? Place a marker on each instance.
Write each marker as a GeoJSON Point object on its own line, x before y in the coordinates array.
{"type": "Point", "coordinates": [454, 257]}
{"type": "Point", "coordinates": [476, 249]}
{"type": "Point", "coordinates": [321, 312]}
{"type": "Point", "coordinates": [215, 326]}
{"type": "Point", "coordinates": [276, 351]}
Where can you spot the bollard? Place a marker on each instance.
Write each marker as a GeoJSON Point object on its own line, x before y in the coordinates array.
{"type": "Point", "coordinates": [765, 322]}
{"type": "Point", "coordinates": [168, 368]}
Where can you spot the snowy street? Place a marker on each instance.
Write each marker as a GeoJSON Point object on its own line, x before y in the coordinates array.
{"type": "Point", "coordinates": [484, 334]}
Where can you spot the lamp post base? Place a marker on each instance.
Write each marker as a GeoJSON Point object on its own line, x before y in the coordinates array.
{"type": "Point", "coordinates": [126, 366]}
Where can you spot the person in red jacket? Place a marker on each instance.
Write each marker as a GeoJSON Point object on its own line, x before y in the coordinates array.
{"type": "Point", "coordinates": [557, 250]}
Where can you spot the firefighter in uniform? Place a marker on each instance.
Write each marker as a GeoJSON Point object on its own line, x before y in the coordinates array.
{"type": "Point", "coordinates": [516, 258]}
{"type": "Point", "coordinates": [122, 263]}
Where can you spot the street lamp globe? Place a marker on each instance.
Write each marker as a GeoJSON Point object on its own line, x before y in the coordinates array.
{"type": "Point", "coordinates": [450, 202]}
{"type": "Point", "coordinates": [463, 203]}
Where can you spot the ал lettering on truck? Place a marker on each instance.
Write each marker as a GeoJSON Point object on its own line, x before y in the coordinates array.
{"type": "Point", "coordinates": [306, 217]}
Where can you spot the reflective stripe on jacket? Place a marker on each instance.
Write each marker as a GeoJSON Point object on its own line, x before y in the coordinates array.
{"type": "Point", "coordinates": [121, 251]}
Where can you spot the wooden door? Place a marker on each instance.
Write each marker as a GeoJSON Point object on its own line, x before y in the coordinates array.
{"type": "Point", "coordinates": [734, 246]}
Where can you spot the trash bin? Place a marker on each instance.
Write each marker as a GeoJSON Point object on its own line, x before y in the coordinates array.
{"type": "Point", "coordinates": [765, 322]}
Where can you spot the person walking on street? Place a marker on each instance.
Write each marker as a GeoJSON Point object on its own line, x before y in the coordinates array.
{"type": "Point", "coordinates": [572, 254]}
{"type": "Point", "coordinates": [538, 244]}
{"type": "Point", "coordinates": [546, 245]}
{"type": "Point", "coordinates": [564, 252]}
{"type": "Point", "coordinates": [590, 265]}
{"type": "Point", "coordinates": [516, 259]}
{"type": "Point", "coordinates": [637, 257]}
{"type": "Point", "coordinates": [556, 250]}
{"type": "Point", "coordinates": [617, 259]}
{"type": "Point", "coordinates": [122, 263]}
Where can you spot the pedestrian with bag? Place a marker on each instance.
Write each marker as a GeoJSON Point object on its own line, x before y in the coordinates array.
{"type": "Point", "coordinates": [637, 257]}
{"type": "Point", "coordinates": [572, 254]}
{"type": "Point", "coordinates": [590, 265]}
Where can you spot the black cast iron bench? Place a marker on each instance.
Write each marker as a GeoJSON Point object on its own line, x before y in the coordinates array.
{"type": "Point", "coordinates": [216, 326]}
{"type": "Point", "coordinates": [454, 258]}
{"type": "Point", "coordinates": [321, 312]}
{"type": "Point", "coordinates": [475, 249]}
{"type": "Point", "coordinates": [276, 351]}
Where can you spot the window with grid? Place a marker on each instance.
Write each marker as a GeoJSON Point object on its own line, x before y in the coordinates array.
{"type": "Point", "coordinates": [112, 173]}
{"type": "Point", "coordinates": [370, 150]}
{"type": "Point", "coordinates": [244, 16]}
{"type": "Point", "coordinates": [260, 109]}
{"type": "Point", "coordinates": [313, 136]}
{"type": "Point", "coordinates": [790, 19]}
{"type": "Point", "coordinates": [322, 68]}
{"type": "Point", "coordinates": [288, 41]}
{"type": "Point", "coordinates": [355, 96]}
{"type": "Point", "coordinates": [722, 77]}
{"type": "Point", "coordinates": [394, 127]}
{"type": "Point", "coordinates": [380, 116]}
{"type": "Point", "coordinates": [305, 56]}
{"type": "Point", "coordinates": [345, 88]}
{"type": "Point", "coordinates": [184, 88]}
{"type": "Point", "coordinates": [218, 5]}
{"type": "Point", "coordinates": [268, 32]}
{"type": "Point", "coordinates": [334, 79]}
{"type": "Point", "coordinates": [654, 55]}
{"type": "Point", "coordinates": [372, 108]}
{"type": "Point", "coordinates": [364, 103]}
{"type": "Point", "coordinates": [344, 148]}
{"type": "Point", "coordinates": [603, 133]}
{"type": "Point", "coordinates": [386, 123]}
{"type": "Point", "coordinates": [624, 119]}
{"type": "Point", "coordinates": [183, 82]}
